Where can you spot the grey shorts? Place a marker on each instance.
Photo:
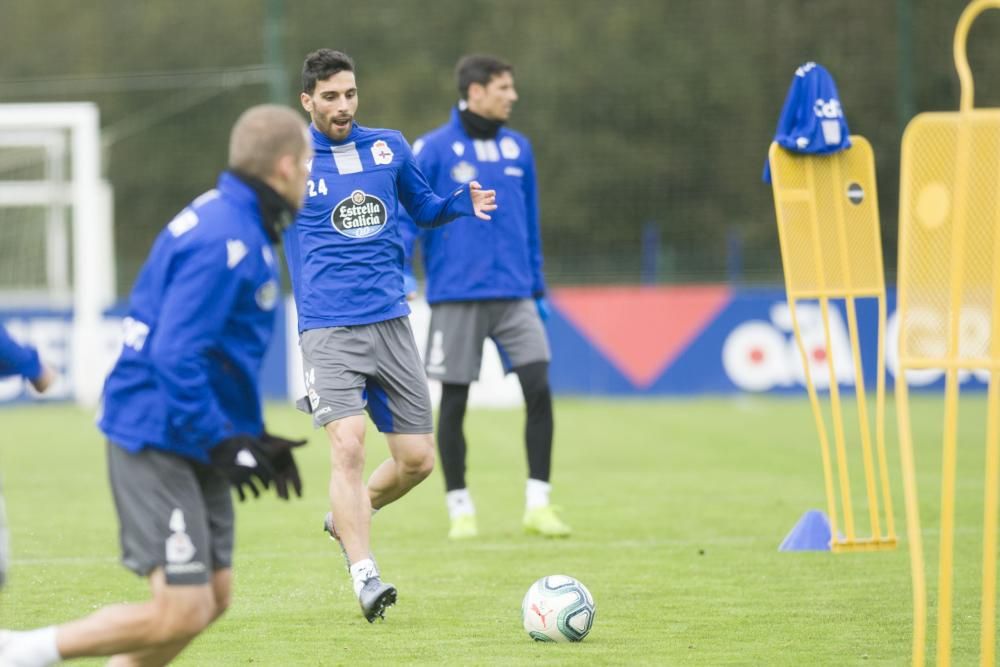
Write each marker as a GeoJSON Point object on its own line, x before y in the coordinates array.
{"type": "Point", "coordinates": [459, 328]}
{"type": "Point", "coordinates": [173, 513]}
{"type": "Point", "coordinates": [373, 367]}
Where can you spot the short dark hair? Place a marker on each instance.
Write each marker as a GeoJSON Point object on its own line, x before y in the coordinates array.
{"type": "Point", "coordinates": [478, 69]}
{"type": "Point", "coordinates": [321, 64]}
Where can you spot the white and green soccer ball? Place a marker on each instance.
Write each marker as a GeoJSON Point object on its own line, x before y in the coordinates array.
{"type": "Point", "coordinates": [558, 608]}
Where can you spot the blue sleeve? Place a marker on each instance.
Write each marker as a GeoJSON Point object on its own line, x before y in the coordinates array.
{"type": "Point", "coordinates": [408, 234]}
{"type": "Point", "coordinates": [534, 228]}
{"type": "Point", "coordinates": [193, 314]}
{"type": "Point", "coordinates": [17, 359]}
{"type": "Point", "coordinates": [425, 207]}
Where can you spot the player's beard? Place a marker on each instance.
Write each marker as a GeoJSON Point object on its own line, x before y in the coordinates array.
{"type": "Point", "coordinates": [336, 132]}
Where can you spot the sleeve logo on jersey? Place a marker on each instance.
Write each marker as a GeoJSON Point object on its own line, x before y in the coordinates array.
{"type": "Point", "coordinates": [359, 216]}
{"type": "Point", "coordinates": [381, 152]}
{"type": "Point", "coordinates": [463, 172]}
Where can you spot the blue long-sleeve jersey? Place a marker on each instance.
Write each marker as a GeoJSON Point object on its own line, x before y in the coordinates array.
{"type": "Point", "coordinates": [200, 318]}
{"type": "Point", "coordinates": [477, 259]}
{"type": "Point", "coordinates": [17, 359]}
{"type": "Point", "coordinates": [345, 251]}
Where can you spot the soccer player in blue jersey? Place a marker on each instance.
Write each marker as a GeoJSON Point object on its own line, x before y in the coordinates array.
{"type": "Point", "coordinates": [487, 281]}
{"type": "Point", "coordinates": [21, 360]}
{"type": "Point", "coordinates": [181, 407]}
{"type": "Point", "coordinates": [345, 256]}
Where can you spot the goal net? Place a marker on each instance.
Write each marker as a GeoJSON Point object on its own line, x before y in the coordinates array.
{"type": "Point", "coordinates": [56, 247]}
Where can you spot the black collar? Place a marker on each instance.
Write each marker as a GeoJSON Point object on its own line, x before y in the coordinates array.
{"type": "Point", "coordinates": [477, 126]}
{"type": "Point", "coordinates": [275, 210]}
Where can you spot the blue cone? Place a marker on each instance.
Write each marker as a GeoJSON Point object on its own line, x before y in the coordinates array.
{"type": "Point", "coordinates": [811, 533]}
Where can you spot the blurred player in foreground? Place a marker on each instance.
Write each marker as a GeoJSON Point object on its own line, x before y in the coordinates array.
{"type": "Point", "coordinates": [345, 257]}
{"type": "Point", "coordinates": [23, 361]}
{"type": "Point", "coordinates": [486, 280]}
{"type": "Point", "coordinates": [181, 409]}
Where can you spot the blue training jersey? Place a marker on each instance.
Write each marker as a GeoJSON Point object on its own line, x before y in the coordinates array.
{"type": "Point", "coordinates": [200, 318]}
{"type": "Point", "coordinates": [17, 359]}
{"type": "Point", "coordinates": [345, 250]}
{"type": "Point", "coordinates": [477, 259]}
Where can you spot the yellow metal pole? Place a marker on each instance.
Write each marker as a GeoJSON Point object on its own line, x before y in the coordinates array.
{"type": "Point", "coordinates": [917, 573]}
{"type": "Point", "coordinates": [949, 453]}
{"type": "Point", "coordinates": [890, 521]}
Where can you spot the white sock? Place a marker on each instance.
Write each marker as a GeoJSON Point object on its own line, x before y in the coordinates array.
{"type": "Point", "coordinates": [361, 572]}
{"type": "Point", "coordinates": [536, 494]}
{"type": "Point", "coordinates": [35, 648]}
{"type": "Point", "coordinates": [459, 503]}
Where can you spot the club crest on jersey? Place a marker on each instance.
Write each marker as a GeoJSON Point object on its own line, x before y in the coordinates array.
{"type": "Point", "coordinates": [381, 152]}
{"type": "Point", "coordinates": [509, 148]}
{"type": "Point", "coordinates": [267, 295]}
{"type": "Point", "coordinates": [463, 172]}
{"type": "Point", "coordinates": [359, 216]}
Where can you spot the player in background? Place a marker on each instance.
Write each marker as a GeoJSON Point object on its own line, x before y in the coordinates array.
{"type": "Point", "coordinates": [181, 407]}
{"type": "Point", "coordinates": [486, 280]}
{"type": "Point", "coordinates": [345, 257]}
{"type": "Point", "coordinates": [23, 361]}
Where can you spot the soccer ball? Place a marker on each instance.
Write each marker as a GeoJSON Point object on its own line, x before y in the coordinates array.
{"type": "Point", "coordinates": [558, 608]}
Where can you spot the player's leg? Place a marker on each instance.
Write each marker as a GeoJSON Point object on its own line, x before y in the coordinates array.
{"type": "Point", "coordinates": [349, 503]}
{"type": "Point", "coordinates": [411, 462]}
{"type": "Point", "coordinates": [218, 503]}
{"type": "Point", "coordinates": [162, 655]}
{"type": "Point", "coordinates": [454, 355]}
{"type": "Point", "coordinates": [337, 363]}
{"type": "Point", "coordinates": [165, 536]}
{"type": "Point", "coordinates": [520, 337]}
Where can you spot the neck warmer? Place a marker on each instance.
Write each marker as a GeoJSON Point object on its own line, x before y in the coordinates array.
{"type": "Point", "coordinates": [477, 126]}
{"type": "Point", "coordinates": [275, 210]}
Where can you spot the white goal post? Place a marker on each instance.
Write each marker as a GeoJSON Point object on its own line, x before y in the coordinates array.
{"type": "Point", "coordinates": [88, 200]}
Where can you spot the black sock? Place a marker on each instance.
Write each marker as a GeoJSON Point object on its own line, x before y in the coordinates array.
{"type": "Point", "coordinates": [451, 438]}
{"type": "Point", "coordinates": [538, 425]}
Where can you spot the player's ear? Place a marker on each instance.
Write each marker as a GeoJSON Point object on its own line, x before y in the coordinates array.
{"type": "Point", "coordinates": [306, 100]}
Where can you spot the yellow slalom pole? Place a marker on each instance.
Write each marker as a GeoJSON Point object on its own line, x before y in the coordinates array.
{"type": "Point", "coordinates": [824, 443]}
{"type": "Point", "coordinates": [890, 521]}
{"type": "Point", "coordinates": [917, 573]}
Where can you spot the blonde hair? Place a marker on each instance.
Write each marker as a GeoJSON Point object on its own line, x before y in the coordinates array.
{"type": "Point", "coordinates": [262, 135]}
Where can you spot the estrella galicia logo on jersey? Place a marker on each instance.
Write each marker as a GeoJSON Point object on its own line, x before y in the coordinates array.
{"type": "Point", "coordinates": [359, 216]}
{"type": "Point", "coordinates": [463, 172]}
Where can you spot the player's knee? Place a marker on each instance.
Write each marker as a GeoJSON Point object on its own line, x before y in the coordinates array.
{"type": "Point", "coordinates": [534, 380]}
{"type": "Point", "coordinates": [182, 618]}
{"type": "Point", "coordinates": [347, 448]}
{"type": "Point", "coordinates": [418, 461]}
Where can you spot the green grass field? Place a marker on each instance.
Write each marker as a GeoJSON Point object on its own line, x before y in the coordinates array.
{"type": "Point", "coordinates": [678, 509]}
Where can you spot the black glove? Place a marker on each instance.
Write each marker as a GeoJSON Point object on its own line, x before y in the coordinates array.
{"type": "Point", "coordinates": [279, 454]}
{"type": "Point", "coordinates": [242, 459]}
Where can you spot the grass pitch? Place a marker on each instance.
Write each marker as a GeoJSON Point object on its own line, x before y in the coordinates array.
{"type": "Point", "coordinates": [678, 508]}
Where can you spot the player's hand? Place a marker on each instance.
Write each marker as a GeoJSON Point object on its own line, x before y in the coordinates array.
{"type": "Point", "coordinates": [543, 307]}
{"type": "Point", "coordinates": [43, 381]}
{"type": "Point", "coordinates": [286, 473]}
{"type": "Point", "coordinates": [244, 462]}
{"type": "Point", "coordinates": [409, 285]}
{"type": "Point", "coordinates": [482, 200]}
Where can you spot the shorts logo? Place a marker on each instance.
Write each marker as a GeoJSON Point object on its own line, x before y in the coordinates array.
{"type": "Point", "coordinates": [359, 216]}
{"type": "Point", "coordinates": [435, 360]}
{"type": "Point", "coordinates": [180, 549]}
{"type": "Point", "coordinates": [463, 172]}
